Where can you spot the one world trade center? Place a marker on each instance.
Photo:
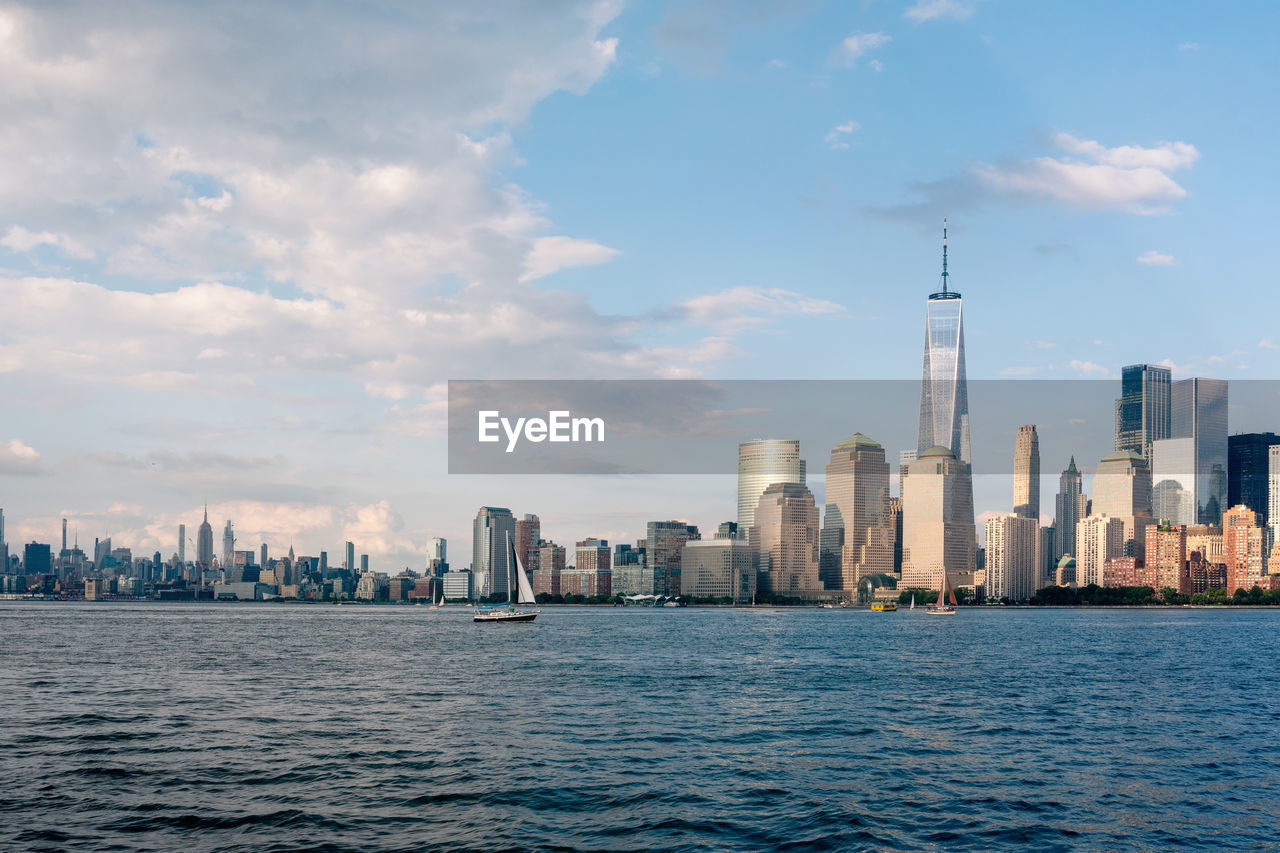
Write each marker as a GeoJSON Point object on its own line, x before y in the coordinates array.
{"type": "Point", "coordinates": [944, 395]}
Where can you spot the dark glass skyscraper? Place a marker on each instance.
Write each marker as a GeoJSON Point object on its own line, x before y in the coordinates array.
{"type": "Point", "coordinates": [1247, 470]}
{"type": "Point", "coordinates": [1143, 410]}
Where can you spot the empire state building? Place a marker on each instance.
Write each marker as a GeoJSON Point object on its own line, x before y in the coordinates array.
{"type": "Point", "coordinates": [944, 394]}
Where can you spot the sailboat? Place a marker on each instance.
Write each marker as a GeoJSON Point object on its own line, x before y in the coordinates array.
{"type": "Point", "coordinates": [946, 605]}
{"type": "Point", "coordinates": [436, 605]}
{"type": "Point", "coordinates": [913, 602]}
{"type": "Point", "coordinates": [509, 611]}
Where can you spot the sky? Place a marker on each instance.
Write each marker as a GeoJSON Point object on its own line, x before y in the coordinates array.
{"type": "Point", "coordinates": [243, 247]}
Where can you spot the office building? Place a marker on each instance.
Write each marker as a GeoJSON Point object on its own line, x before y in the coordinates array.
{"type": "Point", "coordinates": [937, 521]}
{"type": "Point", "coordinates": [1248, 471]}
{"type": "Point", "coordinates": [457, 585]}
{"type": "Point", "coordinates": [1122, 490]}
{"type": "Point", "coordinates": [944, 393]}
{"type": "Point", "coordinates": [1071, 506]}
{"type": "Point", "coordinates": [785, 539]}
{"type": "Point", "coordinates": [1026, 473]}
{"type": "Point", "coordinates": [1244, 549]}
{"type": "Point", "coordinates": [721, 568]}
{"type": "Point", "coordinates": [37, 559]}
{"type": "Point", "coordinates": [1273, 498]}
{"type": "Point", "coordinates": [1143, 409]}
{"type": "Point", "coordinates": [228, 550]}
{"type": "Point", "coordinates": [664, 544]}
{"type": "Point", "coordinates": [1199, 414]}
{"type": "Point", "coordinates": [895, 525]}
{"type": "Point", "coordinates": [761, 463]}
{"type": "Point", "coordinates": [492, 538]}
{"type": "Point", "coordinates": [1012, 558]}
{"type": "Point", "coordinates": [856, 539]}
{"type": "Point", "coordinates": [349, 561]}
{"type": "Point", "coordinates": [1173, 493]}
{"type": "Point", "coordinates": [204, 546]}
{"type": "Point", "coordinates": [182, 544]}
{"type": "Point", "coordinates": [592, 574]}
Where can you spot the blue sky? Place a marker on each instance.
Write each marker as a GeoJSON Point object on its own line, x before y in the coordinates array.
{"type": "Point", "coordinates": [242, 250]}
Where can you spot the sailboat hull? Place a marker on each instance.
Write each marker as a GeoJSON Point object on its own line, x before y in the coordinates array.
{"type": "Point", "coordinates": [504, 617]}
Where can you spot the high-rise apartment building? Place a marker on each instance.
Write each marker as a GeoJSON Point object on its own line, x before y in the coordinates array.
{"type": "Point", "coordinates": [761, 463]}
{"type": "Point", "coordinates": [493, 535]}
{"type": "Point", "coordinates": [528, 535]}
{"type": "Point", "coordinates": [937, 520]}
{"type": "Point", "coordinates": [1248, 471]}
{"type": "Point", "coordinates": [1143, 409]}
{"type": "Point", "coordinates": [1026, 473]}
{"type": "Point", "coordinates": [349, 560]}
{"type": "Point", "coordinates": [1013, 565]}
{"type": "Point", "coordinates": [785, 538]}
{"type": "Point", "coordinates": [549, 565]}
{"type": "Point", "coordinates": [1070, 507]}
{"type": "Point", "coordinates": [182, 544]}
{"type": "Point", "coordinates": [944, 392]}
{"type": "Point", "coordinates": [1244, 549]}
{"type": "Point", "coordinates": [1166, 557]}
{"type": "Point", "coordinates": [1273, 499]}
{"type": "Point", "coordinates": [1099, 538]}
{"type": "Point", "coordinates": [664, 544]}
{"type": "Point", "coordinates": [857, 539]}
{"type": "Point", "coordinates": [228, 548]}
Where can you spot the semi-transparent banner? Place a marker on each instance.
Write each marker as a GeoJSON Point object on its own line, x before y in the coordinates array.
{"type": "Point", "coordinates": [694, 426]}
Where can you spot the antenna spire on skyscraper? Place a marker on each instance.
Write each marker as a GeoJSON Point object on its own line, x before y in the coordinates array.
{"type": "Point", "coordinates": [944, 254]}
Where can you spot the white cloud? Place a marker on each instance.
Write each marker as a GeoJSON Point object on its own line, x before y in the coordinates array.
{"type": "Point", "coordinates": [1155, 259]}
{"type": "Point", "coordinates": [1089, 368]}
{"type": "Point", "coordinates": [1189, 46]}
{"type": "Point", "coordinates": [836, 136]}
{"type": "Point", "coordinates": [19, 239]}
{"type": "Point", "coordinates": [857, 44]}
{"type": "Point", "coordinates": [752, 306]}
{"type": "Point", "coordinates": [1267, 343]}
{"type": "Point", "coordinates": [875, 65]}
{"type": "Point", "coordinates": [555, 253]}
{"type": "Point", "coordinates": [928, 10]}
{"type": "Point", "coordinates": [17, 457]}
{"type": "Point", "coordinates": [1127, 177]}
{"type": "Point", "coordinates": [1017, 371]}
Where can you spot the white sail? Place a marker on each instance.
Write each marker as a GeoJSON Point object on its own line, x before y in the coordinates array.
{"type": "Point", "coordinates": [522, 582]}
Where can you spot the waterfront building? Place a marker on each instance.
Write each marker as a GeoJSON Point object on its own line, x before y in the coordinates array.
{"type": "Point", "coordinates": [364, 563]}
{"type": "Point", "coordinates": [856, 538]}
{"type": "Point", "coordinates": [761, 463]}
{"type": "Point", "coordinates": [1026, 473]}
{"type": "Point", "coordinates": [1249, 472]}
{"type": "Point", "coordinates": [1123, 571]}
{"type": "Point", "coordinates": [1243, 546]}
{"type": "Point", "coordinates": [629, 576]}
{"type": "Point", "coordinates": [1143, 409]}
{"type": "Point", "coordinates": [37, 559]}
{"type": "Point", "coordinates": [1099, 538]}
{"type": "Point", "coordinates": [528, 535]}
{"type": "Point", "coordinates": [1166, 557]}
{"type": "Point", "coordinates": [493, 534]}
{"type": "Point", "coordinates": [1012, 558]}
{"type": "Point", "coordinates": [1273, 497]}
{"type": "Point", "coordinates": [349, 561]}
{"type": "Point", "coordinates": [937, 520]}
{"type": "Point", "coordinates": [592, 574]}
{"type": "Point", "coordinates": [664, 544]}
{"type": "Point", "coordinates": [549, 566]}
{"type": "Point", "coordinates": [718, 568]}
{"type": "Point", "coordinates": [785, 538]}
{"type": "Point", "coordinates": [457, 585]}
{"type": "Point", "coordinates": [1204, 573]}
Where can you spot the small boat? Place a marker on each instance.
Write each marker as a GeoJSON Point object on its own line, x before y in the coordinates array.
{"type": "Point", "coordinates": [913, 602]}
{"type": "Point", "coordinates": [509, 611]}
{"type": "Point", "coordinates": [946, 604]}
{"type": "Point", "coordinates": [436, 605]}
{"type": "Point", "coordinates": [884, 606]}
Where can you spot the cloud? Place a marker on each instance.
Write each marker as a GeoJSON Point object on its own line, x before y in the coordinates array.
{"type": "Point", "coordinates": [752, 306]}
{"type": "Point", "coordinates": [928, 10]}
{"type": "Point", "coordinates": [18, 458]}
{"type": "Point", "coordinates": [1155, 259]}
{"type": "Point", "coordinates": [1128, 178]}
{"type": "Point", "coordinates": [1189, 46]}
{"type": "Point", "coordinates": [1267, 343]}
{"type": "Point", "coordinates": [550, 254]}
{"type": "Point", "coordinates": [835, 137]}
{"type": "Point", "coordinates": [20, 239]}
{"type": "Point", "coordinates": [1089, 368]}
{"type": "Point", "coordinates": [857, 44]}
{"type": "Point", "coordinates": [1017, 371]}
{"type": "Point", "coordinates": [875, 65]}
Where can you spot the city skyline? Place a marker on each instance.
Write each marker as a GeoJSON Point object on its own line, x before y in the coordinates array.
{"type": "Point", "coordinates": [229, 337]}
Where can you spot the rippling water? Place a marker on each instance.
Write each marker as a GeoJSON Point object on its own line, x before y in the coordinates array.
{"type": "Point", "coordinates": [276, 727]}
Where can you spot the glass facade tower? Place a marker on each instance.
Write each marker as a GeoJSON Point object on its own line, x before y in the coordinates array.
{"type": "Point", "coordinates": [762, 463]}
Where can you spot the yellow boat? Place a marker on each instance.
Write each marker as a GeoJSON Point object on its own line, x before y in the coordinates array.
{"type": "Point", "coordinates": [884, 606]}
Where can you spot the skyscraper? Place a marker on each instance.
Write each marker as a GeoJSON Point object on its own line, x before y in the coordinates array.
{"type": "Point", "coordinates": [182, 544]}
{"type": "Point", "coordinates": [204, 546]}
{"type": "Point", "coordinates": [785, 540]}
{"type": "Point", "coordinates": [1199, 414]}
{"type": "Point", "coordinates": [664, 544]}
{"type": "Point", "coordinates": [1026, 473]}
{"type": "Point", "coordinates": [1273, 500]}
{"type": "Point", "coordinates": [1143, 410]}
{"type": "Point", "coordinates": [1248, 464]}
{"type": "Point", "coordinates": [528, 535]}
{"type": "Point", "coordinates": [263, 560]}
{"type": "Point", "coordinates": [493, 534]}
{"type": "Point", "coordinates": [1122, 490]}
{"type": "Point", "coordinates": [228, 548]}
{"type": "Point", "coordinates": [857, 539]}
{"type": "Point", "coordinates": [1243, 547]}
{"type": "Point", "coordinates": [1099, 538]}
{"type": "Point", "coordinates": [1071, 507]}
{"type": "Point", "coordinates": [349, 561]}
{"type": "Point", "coordinates": [937, 520]}
{"type": "Point", "coordinates": [761, 463]}
{"type": "Point", "coordinates": [944, 393]}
